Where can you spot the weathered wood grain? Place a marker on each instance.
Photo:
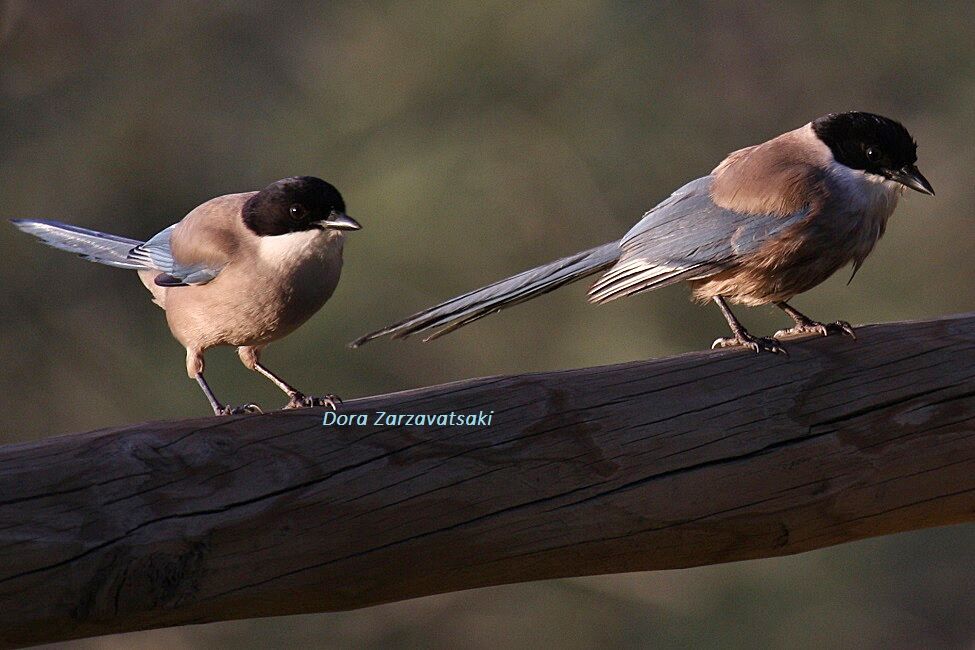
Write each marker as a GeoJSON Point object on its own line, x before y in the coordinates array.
{"type": "Point", "coordinates": [697, 459]}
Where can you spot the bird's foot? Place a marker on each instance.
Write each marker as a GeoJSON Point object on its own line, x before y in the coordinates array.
{"type": "Point", "coordinates": [840, 327]}
{"type": "Point", "coordinates": [755, 343]}
{"type": "Point", "coordinates": [300, 401]}
{"type": "Point", "coordinates": [238, 410]}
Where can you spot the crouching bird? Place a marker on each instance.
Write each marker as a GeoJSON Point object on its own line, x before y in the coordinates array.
{"type": "Point", "coordinates": [771, 221]}
{"type": "Point", "coordinates": [241, 269]}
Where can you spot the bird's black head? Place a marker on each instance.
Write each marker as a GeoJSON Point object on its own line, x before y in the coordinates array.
{"type": "Point", "coordinates": [297, 204]}
{"type": "Point", "coordinates": [874, 144]}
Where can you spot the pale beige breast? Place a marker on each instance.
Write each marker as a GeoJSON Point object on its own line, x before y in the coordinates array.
{"type": "Point", "coordinates": [270, 288]}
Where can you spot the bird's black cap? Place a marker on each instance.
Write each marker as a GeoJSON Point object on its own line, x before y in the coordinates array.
{"type": "Point", "coordinates": [292, 205]}
{"type": "Point", "coordinates": [874, 144]}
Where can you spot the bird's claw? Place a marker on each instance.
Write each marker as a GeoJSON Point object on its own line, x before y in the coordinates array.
{"type": "Point", "coordinates": [755, 343]}
{"type": "Point", "coordinates": [300, 400]}
{"type": "Point", "coordinates": [240, 410]}
{"type": "Point", "coordinates": [840, 327]}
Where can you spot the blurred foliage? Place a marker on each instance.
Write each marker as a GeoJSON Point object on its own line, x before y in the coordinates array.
{"type": "Point", "coordinates": [473, 140]}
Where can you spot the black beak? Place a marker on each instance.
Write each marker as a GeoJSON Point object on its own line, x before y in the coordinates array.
{"type": "Point", "coordinates": [340, 221]}
{"type": "Point", "coordinates": [910, 176]}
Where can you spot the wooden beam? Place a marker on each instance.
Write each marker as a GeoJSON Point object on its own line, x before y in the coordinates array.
{"type": "Point", "coordinates": [697, 459]}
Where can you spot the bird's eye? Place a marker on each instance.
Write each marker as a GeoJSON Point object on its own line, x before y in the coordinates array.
{"type": "Point", "coordinates": [873, 154]}
{"type": "Point", "coordinates": [297, 212]}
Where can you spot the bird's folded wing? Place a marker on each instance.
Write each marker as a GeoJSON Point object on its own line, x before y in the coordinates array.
{"type": "Point", "coordinates": [196, 249]}
{"type": "Point", "coordinates": [686, 237]}
{"type": "Point", "coordinates": [157, 254]}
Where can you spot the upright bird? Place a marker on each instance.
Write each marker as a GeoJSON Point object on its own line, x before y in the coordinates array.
{"type": "Point", "coordinates": [241, 269]}
{"type": "Point", "coordinates": [769, 222]}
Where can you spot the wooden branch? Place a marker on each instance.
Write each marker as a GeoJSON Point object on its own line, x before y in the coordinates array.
{"type": "Point", "coordinates": [697, 459]}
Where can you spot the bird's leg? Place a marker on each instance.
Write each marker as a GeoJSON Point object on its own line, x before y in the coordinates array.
{"type": "Point", "coordinates": [297, 399]}
{"type": "Point", "coordinates": [741, 336]}
{"type": "Point", "coordinates": [194, 368]}
{"type": "Point", "coordinates": [806, 325]}
{"type": "Point", "coordinates": [250, 356]}
{"type": "Point", "coordinates": [218, 408]}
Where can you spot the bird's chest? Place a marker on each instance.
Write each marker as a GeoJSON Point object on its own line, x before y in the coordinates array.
{"type": "Point", "coordinates": [298, 273]}
{"type": "Point", "coordinates": [808, 253]}
{"type": "Point", "coordinates": [261, 296]}
{"type": "Point", "coordinates": [846, 231]}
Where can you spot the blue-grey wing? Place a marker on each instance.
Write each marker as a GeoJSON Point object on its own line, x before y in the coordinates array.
{"type": "Point", "coordinates": [685, 237]}
{"type": "Point", "coordinates": [157, 253]}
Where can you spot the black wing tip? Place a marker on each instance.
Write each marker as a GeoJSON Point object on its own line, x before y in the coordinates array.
{"type": "Point", "coordinates": [378, 334]}
{"type": "Point", "coordinates": [23, 224]}
{"type": "Point", "coordinates": [46, 222]}
{"type": "Point", "coordinates": [166, 280]}
{"type": "Point", "coordinates": [366, 338]}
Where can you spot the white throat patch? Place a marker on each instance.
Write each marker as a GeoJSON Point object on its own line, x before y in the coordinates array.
{"type": "Point", "coordinates": [284, 251]}
{"type": "Point", "coordinates": [868, 191]}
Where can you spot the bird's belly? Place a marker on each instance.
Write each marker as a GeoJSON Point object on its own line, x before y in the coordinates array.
{"type": "Point", "coordinates": [755, 285]}
{"type": "Point", "coordinates": [238, 308]}
{"type": "Point", "coordinates": [789, 265]}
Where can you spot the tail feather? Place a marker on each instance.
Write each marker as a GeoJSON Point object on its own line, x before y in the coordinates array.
{"type": "Point", "coordinates": [638, 275]}
{"type": "Point", "coordinates": [92, 245]}
{"type": "Point", "coordinates": [477, 304]}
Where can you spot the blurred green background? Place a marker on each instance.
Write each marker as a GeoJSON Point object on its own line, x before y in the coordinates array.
{"type": "Point", "coordinates": [473, 140]}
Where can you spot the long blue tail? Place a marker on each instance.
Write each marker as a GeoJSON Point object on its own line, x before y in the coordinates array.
{"type": "Point", "coordinates": [92, 245]}
{"type": "Point", "coordinates": [479, 303]}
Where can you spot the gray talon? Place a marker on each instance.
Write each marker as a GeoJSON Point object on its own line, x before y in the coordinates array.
{"type": "Point", "coordinates": [823, 329]}
{"type": "Point", "coordinates": [240, 410]}
{"type": "Point", "coordinates": [300, 400]}
{"type": "Point", "coordinates": [754, 343]}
